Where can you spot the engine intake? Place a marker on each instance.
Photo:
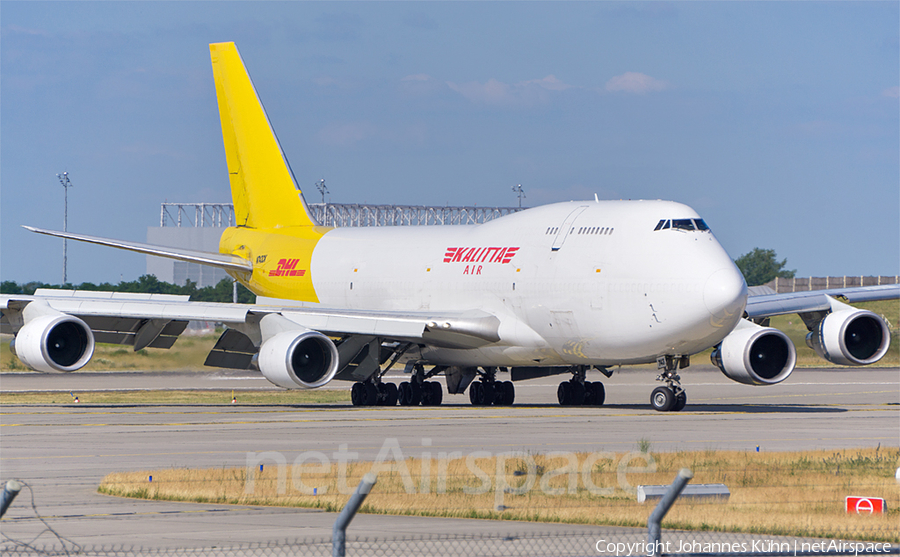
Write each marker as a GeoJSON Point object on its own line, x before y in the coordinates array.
{"type": "Point", "coordinates": [298, 359]}
{"type": "Point", "coordinates": [755, 355]}
{"type": "Point", "coordinates": [850, 338]}
{"type": "Point", "coordinates": [54, 343]}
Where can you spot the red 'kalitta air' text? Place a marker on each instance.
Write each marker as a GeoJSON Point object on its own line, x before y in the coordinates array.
{"type": "Point", "coordinates": [479, 255]}
{"type": "Point", "coordinates": [287, 268]}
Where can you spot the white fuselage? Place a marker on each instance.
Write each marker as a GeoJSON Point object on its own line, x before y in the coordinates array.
{"type": "Point", "coordinates": [572, 283]}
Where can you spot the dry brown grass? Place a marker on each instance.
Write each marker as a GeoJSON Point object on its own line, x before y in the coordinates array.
{"type": "Point", "coordinates": [273, 396]}
{"type": "Point", "coordinates": [790, 493]}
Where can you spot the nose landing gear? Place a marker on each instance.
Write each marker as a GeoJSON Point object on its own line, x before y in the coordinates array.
{"type": "Point", "coordinates": [672, 397]}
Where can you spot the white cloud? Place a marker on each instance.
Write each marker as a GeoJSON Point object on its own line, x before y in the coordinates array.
{"type": "Point", "coordinates": [490, 92]}
{"type": "Point", "coordinates": [634, 82]}
{"type": "Point", "coordinates": [550, 83]}
{"type": "Point", "coordinates": [891, 92]}
{"type": "Point", "coordinates": [497, 93]}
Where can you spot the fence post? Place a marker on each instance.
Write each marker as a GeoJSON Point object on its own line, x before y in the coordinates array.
{"type": "Point", "coordinates": [339, 532]}
{"type": "Point", "coordinates": [654, 532]}
{"type": "Point", "coordinates": [10, 490]}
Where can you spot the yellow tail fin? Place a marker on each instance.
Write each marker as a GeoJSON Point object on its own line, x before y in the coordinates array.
{"type": "Point", "coordinates": [263, 188]}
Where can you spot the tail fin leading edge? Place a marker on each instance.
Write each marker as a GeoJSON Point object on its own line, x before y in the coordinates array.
{"type": "Point", "coordinates": [263, 188]}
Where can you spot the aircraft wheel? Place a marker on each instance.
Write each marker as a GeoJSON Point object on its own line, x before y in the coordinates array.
{"type": "Point", "coordinates": [509, 393]}
{"type": "Point", "coordinates": [390, 394]}
{"type": "Point", "coordinates": [489, 394]}
{"type": "Point", "coordinates": [474, 393]}
{"type": "Point", "coordinates": [662, 399]}
{"type": "Point", "coordinates": [437, 393]}
{"type": "Point", "coordinates": [598, 393]}
{"type": "Point", "coordinates": [427, 394]}
{"type": "Point", "coordinates": [578, 393]}
{"type": "Point", "coordinates": [358, 394]}
{"type": "Point", "coordinates": [371, 394]}
{"type": "Point", "coordinates": [564, 393]}
{"type": "Point", "coordinates": [404, 394]}
{"type": "Point", "coordinates": [497, 388]}
{"type": "Point", "coordinates": [416, 394]}
{"type": "Point", "coordinates": [680, 401]}
{"type": "Point", "coordinates": [382, 394]}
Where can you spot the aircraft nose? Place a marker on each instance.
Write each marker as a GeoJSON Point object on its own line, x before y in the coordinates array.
{"type": "Point", "coordinates": [725, 293]}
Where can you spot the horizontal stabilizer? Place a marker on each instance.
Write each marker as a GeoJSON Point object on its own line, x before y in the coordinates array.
{"type": "Point", "coordinates": [220, 260]}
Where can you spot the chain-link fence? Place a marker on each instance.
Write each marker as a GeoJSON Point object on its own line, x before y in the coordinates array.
{"type": "Point", "coordinates": [603, 541]}
{"type": "Point", "coordinates": [606, 542]}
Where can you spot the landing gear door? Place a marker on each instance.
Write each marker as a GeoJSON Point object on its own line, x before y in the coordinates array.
{"type": "Point", "coordinates": [566, 228]}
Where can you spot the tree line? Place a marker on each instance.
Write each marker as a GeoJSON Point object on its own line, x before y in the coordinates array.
{"type": "Point", "coordinates": [148, 284]}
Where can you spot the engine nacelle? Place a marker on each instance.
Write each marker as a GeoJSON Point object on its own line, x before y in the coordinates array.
{"type": "Point", "coordinates": [54, 342]}
{"type": "Point", "coordinates": [298, 359]}
{"type": "Point", "coordinates": [850, 338]}
{"type": "Point", "coordinates": [755, 355]}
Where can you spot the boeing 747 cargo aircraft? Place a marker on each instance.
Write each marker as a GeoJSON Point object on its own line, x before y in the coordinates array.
{"type": "Point", "coordinates": [554, 290]}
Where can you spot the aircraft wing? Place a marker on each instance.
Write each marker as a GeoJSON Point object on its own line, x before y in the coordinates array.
{"type": "Point", "coordinates": [120, 311]}
{"type": "Point", "coordinates": [765, 304]}
{"type": "Point", "coordinates": [156, 321]}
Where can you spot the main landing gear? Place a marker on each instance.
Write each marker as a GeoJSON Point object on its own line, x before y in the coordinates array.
{"type": "Point", "coordinates": [419, 390]}
{"type": "Point", "coordinates": [373, 392]}
{"type": "Point", "coordinates": [578, 392]}
{"type": "Point", "coordinates": [487, 390]}
{"type": "Point", "coordinates": [672, 397]}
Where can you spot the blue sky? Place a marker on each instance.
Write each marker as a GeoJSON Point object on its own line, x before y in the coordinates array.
{"type": "Point", "coordinates": [778, 121]}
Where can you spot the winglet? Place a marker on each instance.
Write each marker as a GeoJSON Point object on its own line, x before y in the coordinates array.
{"type": "Point", "coordinates": [263, 187]}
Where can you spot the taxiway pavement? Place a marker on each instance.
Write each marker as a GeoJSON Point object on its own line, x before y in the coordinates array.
{"type": "Point", "coordinates": [63, 451]}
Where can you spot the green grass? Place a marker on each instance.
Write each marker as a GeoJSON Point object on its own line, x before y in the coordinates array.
{"type": "Point", "coordinates": [189, 352]}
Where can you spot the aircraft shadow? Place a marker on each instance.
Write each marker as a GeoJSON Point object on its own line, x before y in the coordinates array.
{"type": "Point", "coordinates": [690, 409]}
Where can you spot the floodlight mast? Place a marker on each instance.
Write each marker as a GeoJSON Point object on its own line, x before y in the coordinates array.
{"type": "Point", "coordinates": [520, 192]}
{"type": "Point", "coordinates": [320, 185]}
{"type": "Point", "coordinates": [66, 184]}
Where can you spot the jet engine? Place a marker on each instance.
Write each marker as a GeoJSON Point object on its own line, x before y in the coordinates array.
{"type": "Point", "coordinates": [755, 355]}
{"type": "Point", "coordinates": [850, 337]}
{"type": "Point", "coordinates": [54, 342]}
{"type": "Point", "coordinates": [298, 359]}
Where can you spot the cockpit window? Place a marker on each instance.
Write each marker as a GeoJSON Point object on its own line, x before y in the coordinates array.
{"type": "Point", "coordinates": [682, 224]}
